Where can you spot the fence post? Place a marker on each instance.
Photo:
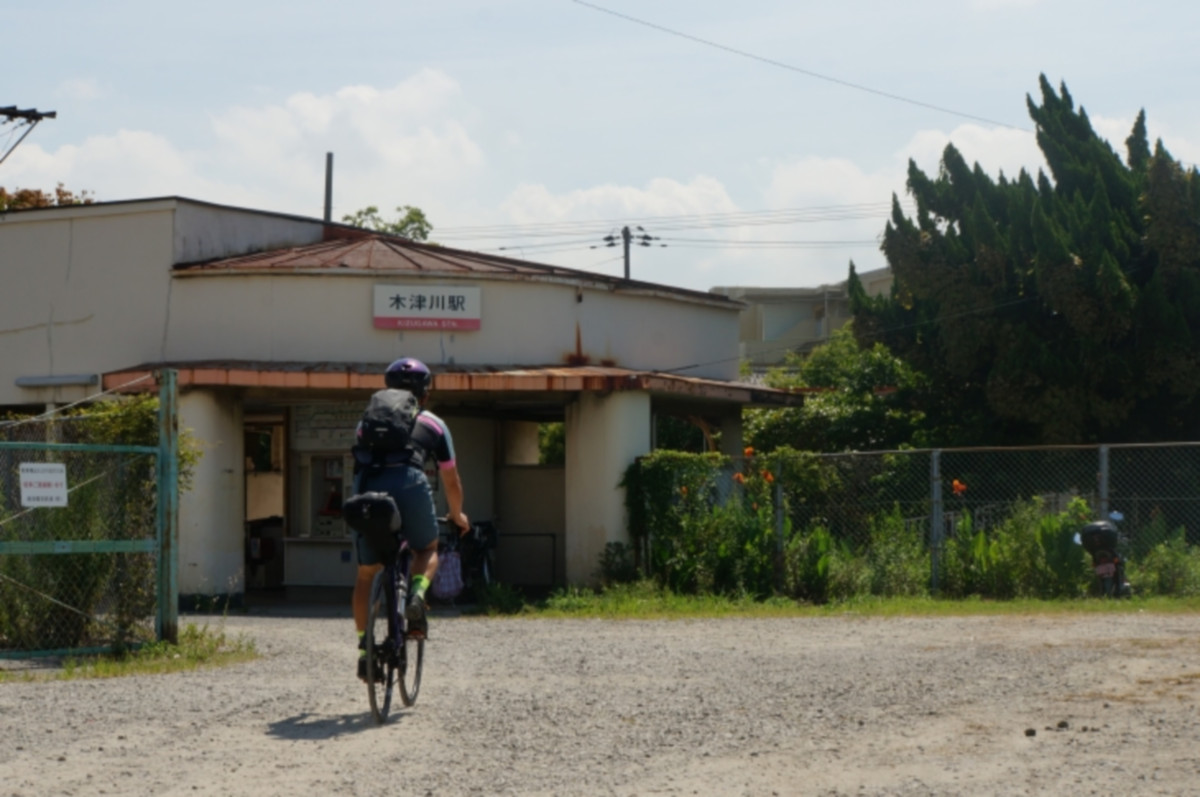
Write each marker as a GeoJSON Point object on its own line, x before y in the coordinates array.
{"type": "Point", "coordinates": [936, 523]}
{"type": "Point", "coordinates": [168, 507]}
{"type": "Point", "coordinates": [779, 568]}
{"type": "Point", "coordinates": [1104, 482]}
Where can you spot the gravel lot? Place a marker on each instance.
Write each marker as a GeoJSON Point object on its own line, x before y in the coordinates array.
{"type": "Point", "coordinates": [828, 706]}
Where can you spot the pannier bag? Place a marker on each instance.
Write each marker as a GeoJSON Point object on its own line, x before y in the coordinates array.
{"type": "Point", "coordinates": [448, 581]}
{"type": "Point", "coordinates": [1099, 536]}
{"type": "Point", "coordinates": [374, 515]}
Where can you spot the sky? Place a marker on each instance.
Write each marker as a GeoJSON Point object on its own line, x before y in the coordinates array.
{"type": "Point", "coordinates": [757, 143]}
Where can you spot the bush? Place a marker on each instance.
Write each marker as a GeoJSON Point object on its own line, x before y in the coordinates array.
{"type": "Point", "coordinates": [1170, 568]}
{"type": "Point", "coordinates": [1030, 554]}
{"type": "Point", "coordinates": [898, 559]}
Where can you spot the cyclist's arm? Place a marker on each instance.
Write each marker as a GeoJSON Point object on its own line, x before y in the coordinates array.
{"type": "Point", "coordinates": [443, 454]}
{"type": "Point", "coordinates": [452, 484]}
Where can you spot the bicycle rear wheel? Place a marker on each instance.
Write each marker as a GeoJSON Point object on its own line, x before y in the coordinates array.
{"type": "Point", "coordinates": [381, 659]}
{"type": "Point", "coordinates": [412, 655]}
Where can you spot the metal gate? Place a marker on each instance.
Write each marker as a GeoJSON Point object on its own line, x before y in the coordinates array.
{"type": "Point", "coordinates": [89, 526]}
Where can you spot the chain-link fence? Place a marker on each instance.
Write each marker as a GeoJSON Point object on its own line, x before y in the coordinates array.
{"type": "Point", "coordinates": [992, 522]}
{"type": "Point", "coordinates": [81, 532]}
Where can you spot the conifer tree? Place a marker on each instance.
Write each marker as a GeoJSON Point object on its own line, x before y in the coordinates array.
{"type": "Point", "coordinates": [1057, 309]}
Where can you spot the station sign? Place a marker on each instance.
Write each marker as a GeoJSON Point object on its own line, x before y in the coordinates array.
{"type": "Point", "coordinates": [432, 307]}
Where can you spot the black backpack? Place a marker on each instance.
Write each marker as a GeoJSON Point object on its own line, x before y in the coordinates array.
{"type": "Point", "coordinates": [388, 423]}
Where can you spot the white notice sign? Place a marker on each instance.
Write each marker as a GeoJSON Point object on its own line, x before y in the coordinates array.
{"type": "Point", "coordinates": [43, 484]}
{"type": "Point", "coordinates": [427, 307]}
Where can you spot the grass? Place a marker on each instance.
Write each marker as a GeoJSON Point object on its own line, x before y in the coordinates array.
{"type": "Point", "coordinates": [199, 646]}
{"type": "Point", "coordinates": [644, 600]}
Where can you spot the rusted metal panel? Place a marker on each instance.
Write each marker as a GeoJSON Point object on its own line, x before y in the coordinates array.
{"type": "Point", "coordinates": [368, 376]}
{"type": "Point", "coordinates": [355, 250]}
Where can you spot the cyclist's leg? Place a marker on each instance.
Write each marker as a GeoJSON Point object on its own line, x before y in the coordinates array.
{"type": "Point", "coordinates": [370, 562]}
{"type": "Point", "coordinates": [420, 524]}
{"type": "Point", "coordinates": [420, 529]}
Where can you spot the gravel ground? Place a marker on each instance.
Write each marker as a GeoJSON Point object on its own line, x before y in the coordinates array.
{"type": "Point", "coordinates": [825, 706]}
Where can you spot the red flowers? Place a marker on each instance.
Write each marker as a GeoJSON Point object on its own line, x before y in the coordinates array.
{"type": "Point", "coordinates": [958, 487]}
{"type": "Point", "coordinates": [739, 478]}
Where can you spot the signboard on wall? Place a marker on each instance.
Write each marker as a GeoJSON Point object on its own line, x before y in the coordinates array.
{"type": "Point", "coordinates": [434, 307]}
{"type": "Point", "coordinates": [325, 427]}
{"type": "Point", "coordinates": [43, 484]}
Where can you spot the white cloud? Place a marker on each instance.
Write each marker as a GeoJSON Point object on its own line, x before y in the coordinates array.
{"type": "Point", "coordinates": [84, 88]}
{"type": "Point", "coordinates": [993, 5]}
{"type": "Point", "coordinates": [661, 197]}
{"type": "Point", "coordinates": [391, 146]}
{"type": "Point", "coordinates": [860, 199]}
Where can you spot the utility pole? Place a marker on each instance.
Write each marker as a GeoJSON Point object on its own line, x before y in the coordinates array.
{"type": "Point", "coordinates": [628, 239]}
{"type": "Point", "coordinates": [328, 187]}
{"type": "Point", "coordinates": [29, 117]}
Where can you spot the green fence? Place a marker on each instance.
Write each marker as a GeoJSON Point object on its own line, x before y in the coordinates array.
{"type": "Point", "coordinates": [996, 522]}
{"type": "Point", "coordinates": [88, 530]}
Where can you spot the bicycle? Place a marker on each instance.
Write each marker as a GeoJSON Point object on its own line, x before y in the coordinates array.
{"type": "Point", "coordinates": [394, 656]}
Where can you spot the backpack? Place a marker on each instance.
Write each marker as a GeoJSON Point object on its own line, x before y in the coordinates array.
{"type": "Point", "coordinates": [388, 423]}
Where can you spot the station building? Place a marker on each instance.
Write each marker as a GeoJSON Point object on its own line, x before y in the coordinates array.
{"type": "Point", "coordinates": [280, 328]}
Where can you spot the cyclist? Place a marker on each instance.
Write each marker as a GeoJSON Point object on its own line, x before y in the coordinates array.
{"type": "Point", "coordinates": [401, 474]}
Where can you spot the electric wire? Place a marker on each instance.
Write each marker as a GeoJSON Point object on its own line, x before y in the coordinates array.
{"type": "Point", "coordinates": [800, 70]}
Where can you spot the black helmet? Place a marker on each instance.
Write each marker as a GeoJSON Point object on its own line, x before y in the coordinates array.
{"type": "Point", "coordinates": [408, 374]}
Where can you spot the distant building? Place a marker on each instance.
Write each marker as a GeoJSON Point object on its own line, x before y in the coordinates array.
{"type": "Point", "coordinates": [778, 320]}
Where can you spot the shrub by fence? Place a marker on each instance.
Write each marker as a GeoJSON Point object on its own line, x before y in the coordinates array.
{"type": "Point", "coordinates": [998, 523]}
{"type": "Point", "coordinates": [88, 574]}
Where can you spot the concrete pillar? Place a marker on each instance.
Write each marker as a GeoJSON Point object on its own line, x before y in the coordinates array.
{"type": "Point", "coordinates": [604, 435]}
{"type": "Point", "coordinates": [212, 513]}
{"type": "Point", "coordinates": [520, 442]}
{"type": "Point", "coordinates": [731, 434]}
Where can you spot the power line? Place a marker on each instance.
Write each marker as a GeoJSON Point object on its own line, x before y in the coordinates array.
{"type": "Point", "coordinates": [800, 70]}
{"type": "Point", "coordinates": [697, 221]}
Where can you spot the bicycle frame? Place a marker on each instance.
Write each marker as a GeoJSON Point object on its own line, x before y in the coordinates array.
{"type": "Point", "coordinates": [388, 659]}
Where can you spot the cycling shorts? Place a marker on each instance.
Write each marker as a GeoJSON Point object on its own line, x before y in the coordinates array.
{"type": "Point", "coordinates": [410, 489]}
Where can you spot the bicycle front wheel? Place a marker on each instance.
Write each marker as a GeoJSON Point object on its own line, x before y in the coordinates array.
{"type": "Point", "coordinates": [412, 656]}
{"type": "Point", "coordinates": [381, 659]}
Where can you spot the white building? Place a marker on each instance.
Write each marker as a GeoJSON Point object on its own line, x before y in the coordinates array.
{"type": "Point", "coordinates": [280, 328]}
{"type": "Point", "coordinates": [775, 321]}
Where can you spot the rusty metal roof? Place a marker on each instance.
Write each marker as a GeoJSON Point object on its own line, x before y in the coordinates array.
{"type": "Point", "coordinates": [351, 249]}
{"type": "Point", "coordinates": [447, 380]}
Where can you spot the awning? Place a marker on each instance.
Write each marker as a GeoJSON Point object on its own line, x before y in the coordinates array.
{"type": "Point", "coordinates": [449, 380]}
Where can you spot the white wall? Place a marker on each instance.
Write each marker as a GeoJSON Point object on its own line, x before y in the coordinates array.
{"type": "Point", "coordinates": [604, 436]}
{"type": "Point", "coordinates": [81, 293]}
{"type": "Point", "coordinates": [328, 317]}
{"type": "Point", "coordinates": [211, 530]}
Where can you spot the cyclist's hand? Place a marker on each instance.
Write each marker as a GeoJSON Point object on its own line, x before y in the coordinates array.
{"type": "Point", "coordinates": [461, 520]}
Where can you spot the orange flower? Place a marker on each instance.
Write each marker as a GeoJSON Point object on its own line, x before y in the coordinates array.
{"type": "Point", "coordinates": [958, 487]}
{"type": "Point", "coordinates": [749, 452]}
{"type": "Point", "coordinates": [770, 477]}
{"type": "Point", "coordinates": [683, 489]}
{"type": "Point", "coordinates": [739, 478]}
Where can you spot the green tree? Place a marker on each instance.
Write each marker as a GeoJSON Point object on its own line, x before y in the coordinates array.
{"type": "Point", "coordinates": [411, 222]}
{"type": "Point", "coordinates": [861, 398]}
{"type": "Point", "coordinates": [1055, 310]}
